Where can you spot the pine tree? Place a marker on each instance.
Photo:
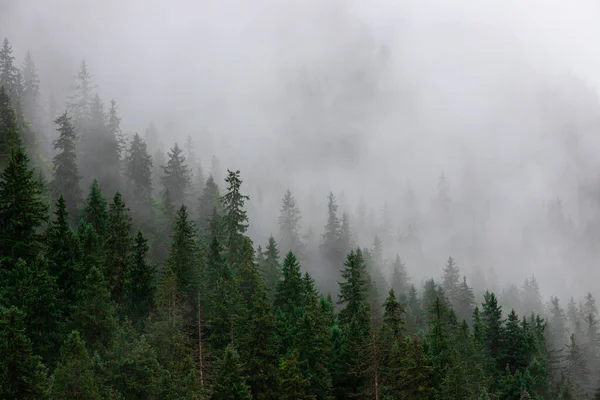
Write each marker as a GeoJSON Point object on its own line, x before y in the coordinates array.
{"type": "Point", "coordinates": [139, 283]}
{"type": "Point", "coordinates": [22, 210]}
{"type": "Point", "coordinates": [400, 279]}
{"type": "Point", "coordinates": [350, 373]}
{"type": "Point", "coordinates": [415, 312]}
{"type": "Point", "coordinates": [465, 301]}
{"type": "Point", "coordinates": [63, 252]}
{"type": "Point", "coordinates": [8, 72]}
{"type": "Point", "coordinates": [74, 377]}
{"type": "Point", "coordinates": [10, 138]}
{"type": "Point", "coordinates": [66, 172]}
{"type": "Point", "coordinates": [177, 178]}
{"type": "Point", "coordinates": [235, 218]}
{"type": "Point", "coordinates": [35, 292]}
{"type": "Point", "coordinates": [289, 226]}
{"type": "Point", "coordinates": [209, 201]}
{"type": "Point", "coordinates": [81, 99]}
{"type": "Point", "coordinates": [94, 313]}
{"type": "Point", "coordinates": [576, 367]}
{"type": "Point", "coordinates": [271, 269]}
{"type": "Point", "coordinates": [451, 281]}
{"type": "Point", "coordinates": [114, 128]}
{"type": "Point", "coordinates": [31, 88]}
{"type": "Point", "coordinates": [292, 383]}
{"type": "Point", "coordinates": [330, 245]}
{"type": "Point", "coordinates": [231, 384]}
{"type": "Point", "coordinates": [22, 373]}
{"type": "Point", "coordinates": [118, 247]}
{"type": "Point", "coordinates": [138, 171]}
{"type": "Point", "coordinates": [94, 211]}
{"type": "Point", "coordinates": [289, 291]}
{"type": "Point", "coordinates": [492, 323]}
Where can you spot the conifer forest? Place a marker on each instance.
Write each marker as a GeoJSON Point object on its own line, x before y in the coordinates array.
{"type": "Point", "coordinates": [140, 259]}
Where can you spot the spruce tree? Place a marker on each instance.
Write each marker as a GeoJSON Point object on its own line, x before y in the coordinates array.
{"type": "Point", "coordinates": [209, 201]}
{"type": "Point", "coordinates": [289, 226]}
{"type": "Point", "coordinates": [94, 211]}
{"type": "Point", "coordinates": [289, 291]}
{"type": "Point", "coordinates": [10, 138]}
{"type": "Point", "coordinates": [451, 281]}
{"type": "Point", "coordinates": [31, 89]}
{"type": "Point", "coordinates": [576, 368]}
{"type": "Point", "coordinates": [118, 247]}
{"type": "Point", "coordinates": [114, 128]}
{"type": "Point", "coordinates": [292, 382]}
{"type": "Point", "coordinates": [138, 172]}
{"type": "Point", "coordinates": [22, 210]}
{"type": "Point", "coordinates": [271, 269]}
{"type": "Point", "coordinates": [235, 218]}
{"type": "Point", "coordinates": [330, 245]}
{"type": "Point", "coordinates": [81, 100]}
{"type": "Point", "coordinates": [231, 384]}
{"type": "Point", "coordinates": [139, 283]}
{"type": "Point", "coordinates": [74, 376]}
{"type": "Point", "coordinates": [36, 293]}
{"type": "Point", "coordinates": [9, 74]}
{"type": "Point", "coordinates": [465, 301]}
{"type": "Point", "coordinates": [94, 314]}
{"type": "Point", "coordinates": [557, 333]}
{"type": "Point", "coordinates": [400, 279]}
{"type": "Point", "coordinates": [63, 252]}
{"type": "Point", "coordinates": [177, 178]}
{"type": "Point", "coordinates": [66, 173]}
{"type": "Point", "coordinates": [492, 321]}
{"type": "Point", "coordinates": [22, 374]}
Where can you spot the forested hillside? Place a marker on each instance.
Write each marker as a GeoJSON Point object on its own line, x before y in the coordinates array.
{"type": "Point", "coordinates": [126, 273]}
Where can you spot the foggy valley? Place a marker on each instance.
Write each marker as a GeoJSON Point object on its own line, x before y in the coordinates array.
{"type": "Point", "coordinates": [393, 134]}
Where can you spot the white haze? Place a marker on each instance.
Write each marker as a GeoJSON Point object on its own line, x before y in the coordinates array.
{"type": "Point", "coordinates": [363, 98]}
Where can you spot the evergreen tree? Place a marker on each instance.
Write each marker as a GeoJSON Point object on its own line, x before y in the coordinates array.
{"type": "Point", "coordinates": [231, 384]}
{"type": "Point", "coordinates": [139, 283]}
{"type": "Point", "coordinates": [22, 374]}
{"type": "Point", "coordinates": [208, 202]}
{"type": "Point", "coordinates": [22, 211]}
{"type": "Point", "coordinates": [557, 324]}
{"type": "Point", "coordinates": [331, 239]}
{"type": "Point", "coordinates": [492, 324]}
{"type": "Point", "coordinates": [235, 218]}
{"type": "Point", "coordinates": [190, 153]}
{"type": "Point", "coordinates": [415, 312]}
{"type": "Point", "coordinates": [63, 252]}
{"type": "Point", "coordinates": [292, 383]}
{"type": "Point", "coordinates": [118, 247]}
{"type": "Point", "coordinates": [576, 367]}
{"type": "Point", "coordinates": [271, 269]}
{"type": "Point", "coordinates": [451, 281]}
{"type": "Point", "coordinates": [81, 99]}
{"type": "Point", "coordinates": [177, 178]}
{"type": "Point", "coordinates": [10, 138]}
{"type": "Point", "coordinates": [114, 128]}
{"type": "Point", "coordinates": [66, 172]}
{"type": "Point", "coordinates": [31, 88]}
{"type": "Point", "coordinates": [289, 291]}
{"type": "Point", "coordinates": [289, 226]}
{"type": "Point", "coordinates": [400, 279]}
{"type": "Point", "coordinates": [74, 377]}
{"type": "Point", "coordinates": [465, 301]}
{"type": "Point", "coordinates": [94, 211]}
{"type": "Point", "coordinates": [138, 171]}
{"type": "Point", "coordinates": [349, 375]}
{"type": "Point", "coordinates": [9, 74]}
{"type": "Point", "coordinates": [36, 293]}
{"type": "Point", "coordinates": [94, 314]}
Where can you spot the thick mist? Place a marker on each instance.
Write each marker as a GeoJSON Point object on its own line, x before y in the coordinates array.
{"type": "Point", "coordinates": [373, 101]}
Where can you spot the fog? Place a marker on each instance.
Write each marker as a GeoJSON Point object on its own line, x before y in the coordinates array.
{"type": "Point", "coordinates": [366, 99]}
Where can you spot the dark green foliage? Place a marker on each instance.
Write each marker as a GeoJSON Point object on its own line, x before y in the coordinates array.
{"type": "Point", "coordinates": [209, 201]}
{"type": "Point", "coordinates": [118, 247]}
{"type": "Point", "coordinates": [138, 172]}
{"type": "Point", "coordinates": [94, 211]}
{"type": "Point", "coordinates": [74, 377]}
{"type": "Point", "coordinates": [139, 283]}
{"type": "Point", "coordinates": [177, 178]}
{"type": "Point", "coordinates": [22, 211]}
{"type": "Point", "coordinates": [9, 130]}
{"type": "Point", "coordinates": [22, 374]}
{"type": "Point", "coordinates": [66, 173]}
{"type": "Point", "coordinates": [30, 287]}
{"type": "Point", "coordinates": [292, 383]}
{"type": "Point", "coordinates": [231, 384]}
{"type": "Point", "coordinates": [9, 73]}
{"type": "Point", "coordinates": [465, 301]}
{"type": "Point", "coordinates": [235, 218]}
{"type": "Point", "coordinates": [271, 269]}
{"type": "Point", "coordinates": [94, 314]}
{"type": "Point", "coordinates": [63, 252]}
